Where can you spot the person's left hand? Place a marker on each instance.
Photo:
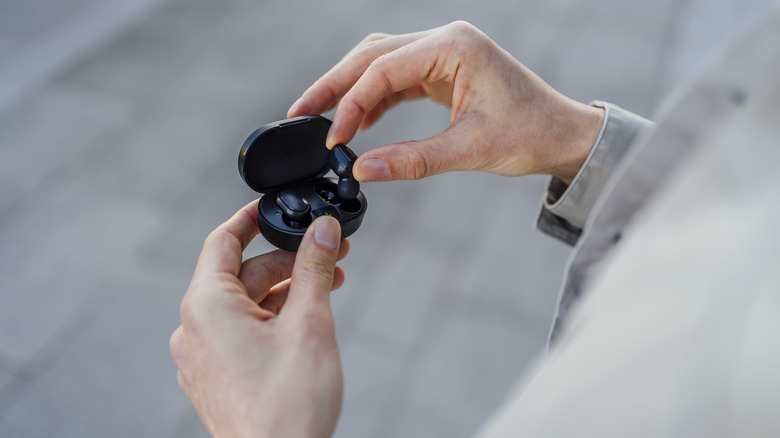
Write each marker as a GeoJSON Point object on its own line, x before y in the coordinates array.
{"type": "Point", "coordinates": [256, 348]}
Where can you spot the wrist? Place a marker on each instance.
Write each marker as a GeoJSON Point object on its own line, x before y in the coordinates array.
{"type": "Point", "coordinates": [579, 127]}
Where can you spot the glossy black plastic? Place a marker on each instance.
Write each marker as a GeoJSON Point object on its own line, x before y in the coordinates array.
{"type": "Point", "coordinates": [348, 188]}
{"type": "Point", "coordinates": [341, 159]}
{"type": "Point", "coordinates": [293, 205]}
{"type": "Point", "coordinates": [287, 161]}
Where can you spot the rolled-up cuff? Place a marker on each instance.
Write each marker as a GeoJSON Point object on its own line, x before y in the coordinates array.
{"type": "Point", "coordinates": [565, 209]}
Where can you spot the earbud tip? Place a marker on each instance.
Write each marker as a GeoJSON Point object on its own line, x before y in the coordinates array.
{"type": "Point", "coordinates": [348, 188]}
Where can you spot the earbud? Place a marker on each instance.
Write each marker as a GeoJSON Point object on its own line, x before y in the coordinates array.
{"type": "Point", "coordinates": [294, 208]}
{"type": "Point", "coordinates": [341, 160]}
{"type": "Point", "coordinates": [348, 188]}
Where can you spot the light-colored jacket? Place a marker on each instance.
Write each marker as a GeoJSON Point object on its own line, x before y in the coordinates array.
{"type": "Point", "coordinates": [669, 318]}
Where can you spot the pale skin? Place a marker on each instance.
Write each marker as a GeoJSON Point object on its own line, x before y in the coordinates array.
{"type": "Point", "coordinates": [504, 118]}
{"type": "Point", "coordinates": [256, 349]}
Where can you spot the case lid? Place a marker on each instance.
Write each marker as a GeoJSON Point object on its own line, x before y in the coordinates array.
{"type": "Point", "coordinates": [284, 152]}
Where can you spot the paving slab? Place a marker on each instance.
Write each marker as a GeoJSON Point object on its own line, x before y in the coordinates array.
{"type": "Point", "coordinates": [7, 42]}
{"type": "Point", "coordinates": [189, 426]}
{"type": "Point", "coordinates": [504, 267]}
{"type": "Point", "coordinates": [139, 144]}
{"type": "Point", "coordinates": [48, 131]}
{"type": "Point", "coordinates": [117, 377]}
{"type": "Point", "coordinates": [5, 377]}
{"type": "Point", "coordinates": [403, 293]}
{"type": "Point", "coordinates": [58, 37]}
{"type": "Point", "coordinates": [373, 381]}
{"type": "Point", "coordinates": [463, 375]}
{"type": "Point", "coordinates": [25, 19]}
{"type": "Point", "coordinates": [56, 247]}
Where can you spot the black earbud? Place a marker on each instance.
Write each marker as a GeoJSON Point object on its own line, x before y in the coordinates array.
{"type": "Point", "coordinates": [294, 207]}
{"type": "Point", "coordinates": [341, 160]}
{"type": "Point", "coordinates": [348, 188]}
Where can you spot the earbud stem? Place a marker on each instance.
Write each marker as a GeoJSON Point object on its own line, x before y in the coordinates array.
{"type": "Point", "coordinates": [341, 160]}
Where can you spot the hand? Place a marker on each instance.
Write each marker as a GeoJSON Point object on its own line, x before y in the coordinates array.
{"type": "Point", "coordinates": [504, 118]}
{"type": "Point", "coordinates": [256, 348]}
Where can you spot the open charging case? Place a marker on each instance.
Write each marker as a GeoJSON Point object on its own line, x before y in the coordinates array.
{"type": "Point", "coordinates": [290, 157]}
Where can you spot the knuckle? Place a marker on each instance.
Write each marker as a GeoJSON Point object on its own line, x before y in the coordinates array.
{"type": "Point", "coordinates": [382, 69]}
{"type": "Point", "coordinates": [188, 312]}
{"type": "Point", "coordinates": [214, 236]}
{"type": "Point", "coordinates": [218, 238]}
{"type": "Point", "coordinates": [370, 47]}
{"type": "Point", "coordinates": [462, 27]}
{"type": "Point", "coordinates": [463, 34]}
{"type": "Point", "coordinates": [177, 347]}
{"type": "Point", "coordinates": [374, 36]}
{"type": "Point", "coordinates": [417, 166]}
{"type": "Point", "coordinates": [367, 51]}
{"type": "Point", "coordinates": [378, 64]}
{"type": "Point", "coordinates": [185, 309]}
{"type": "Point", "coordinates": [318, 269]}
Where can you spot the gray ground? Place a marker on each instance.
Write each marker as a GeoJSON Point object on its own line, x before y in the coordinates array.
{"type": "Point", "coordinates": [120, 124]}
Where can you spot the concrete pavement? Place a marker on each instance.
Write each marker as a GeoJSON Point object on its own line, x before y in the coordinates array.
{"type": "Point", "coordinates": [119, 158]}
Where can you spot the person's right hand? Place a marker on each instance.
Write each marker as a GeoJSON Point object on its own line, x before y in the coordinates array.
{"type": "Point", "coordinates": [504, 118]}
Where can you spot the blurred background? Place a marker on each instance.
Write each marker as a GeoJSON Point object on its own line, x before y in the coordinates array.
{"type": "Point", "coordinates": [120, 125]}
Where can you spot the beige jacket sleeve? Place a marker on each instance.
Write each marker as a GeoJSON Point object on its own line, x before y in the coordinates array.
{"type": "Point", "coordinates": [676, 333]}
{"type": "Point", "coordinates": [565, 209]}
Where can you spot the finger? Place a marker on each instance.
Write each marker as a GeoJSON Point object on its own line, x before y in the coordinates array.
{"type": "Point", "coordinates": [344, 248]}
{"type": "Point", "coordinates": [278, 295]}
{"type": "Point", "coordinates": [339, 276]}
{"type": "Point", "coordinates": [395, 71]}
{"type": "Point", "coordinates": [280, 289]}
{"type": "Point", "coordinates": [323, 95]}
{"type": "Point", "coordinates": [259, 274]}
{"type": "Point", "coordinates": [457, 148]}
{"type": "Point", "coordinates": [313, 273]}
{"type": "Point", "coordinates": [388, 102]}
{"type": "Point", "coordinates": [179, 348]}
{"type": "Point", "coordinates": [222, 250]}
{"type": "Point", "coordinates": [216, 274]}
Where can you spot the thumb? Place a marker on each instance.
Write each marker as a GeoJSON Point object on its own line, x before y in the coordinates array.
{"type": "Point", "coordinates": [445, 152]}
{"type": "Point", "coordinates": [312, 274]}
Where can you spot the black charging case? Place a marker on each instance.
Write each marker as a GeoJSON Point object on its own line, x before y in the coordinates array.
{"type": "Point", "coordinates": [291, 154]}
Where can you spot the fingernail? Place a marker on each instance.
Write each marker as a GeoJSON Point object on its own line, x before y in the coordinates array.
{"type": "Point", "coordinates": [294, 106]}
{"type": "Point", "coordinates": [373, 169]}
{"type": "Point", "coordinates": [327, 233]}
{"type": "Point", "coordinates": [329, 137]}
